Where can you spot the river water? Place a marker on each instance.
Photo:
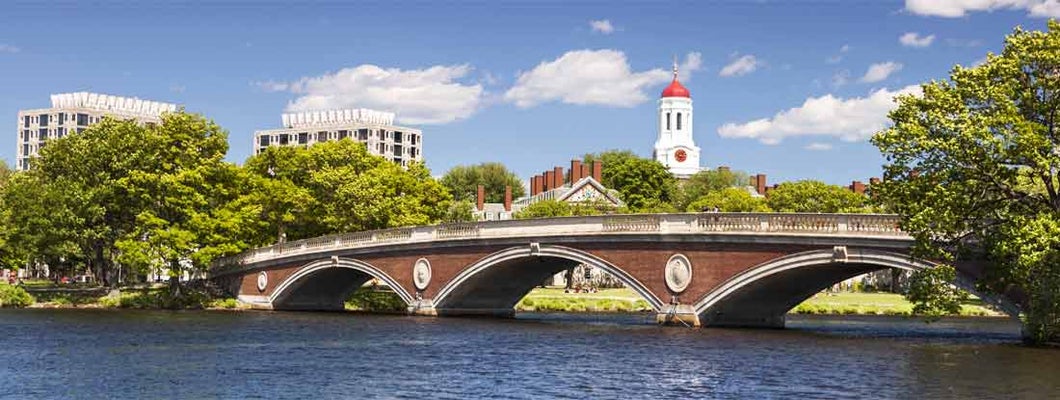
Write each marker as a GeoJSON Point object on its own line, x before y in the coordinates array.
{"type": "Point", "coordinates": [158, 354]}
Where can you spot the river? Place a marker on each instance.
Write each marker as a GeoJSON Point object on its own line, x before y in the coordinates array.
{"type": "Point", "coordinates": [271, 355]}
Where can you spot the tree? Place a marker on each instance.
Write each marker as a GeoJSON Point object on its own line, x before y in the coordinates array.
{"type": "Point", "coordinates": [815, 196]}
{"type": "Point", "coordinates": [340, 187]}
{"type": "Point", "coordinates": [643, 184]}
{"type": "Point", "coordinates": [707, 181]}
{"type": "Point", "coordinates": [729, 200]}
{"type": "Point", "coordinates": [188, 193]}
{"type": "Point", "coordinates": [972, 168]}
{"type": "Point", "coordinates": [463, 181]}
{"type": "Point", "coordinates": [544, 209]}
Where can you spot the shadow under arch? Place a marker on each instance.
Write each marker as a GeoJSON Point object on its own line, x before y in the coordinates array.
{"type": "Point", "coordinates": [325, 285]}
{"type": "Point", "coordinates": [763, 295]}
{"type": "Point", "coordinates": [495, 283]}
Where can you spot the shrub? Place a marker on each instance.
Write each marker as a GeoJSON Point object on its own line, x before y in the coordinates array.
{"type": "Point", "coordinates": [14, 296]}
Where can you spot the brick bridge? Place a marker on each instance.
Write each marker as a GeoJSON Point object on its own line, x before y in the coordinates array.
{"type": "Point", "coordinates": [715, 269]}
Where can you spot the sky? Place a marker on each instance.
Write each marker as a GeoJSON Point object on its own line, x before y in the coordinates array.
{"type": "Point", "coordinates": [791, 89]}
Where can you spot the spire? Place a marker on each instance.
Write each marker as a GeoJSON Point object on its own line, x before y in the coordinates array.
{"type": "Point", "coordinates": [675, 67]}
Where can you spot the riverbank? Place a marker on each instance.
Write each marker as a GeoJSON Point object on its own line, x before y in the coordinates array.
{"type": "Point", "coordinates": [380, 299]}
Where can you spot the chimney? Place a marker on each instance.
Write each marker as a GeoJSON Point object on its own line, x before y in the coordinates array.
{"type": "Point", "coordinates": [598, 170]}
{"type": "Point", "coordinates": [575, 171]}
{"type": "Point", "coordinates": [480, 198]}
{"type": "Point", "coordinates": [857, 187]}
{"type": "Point", "coordinates": [549, 180]}
{"type": "Point", "coordinates": [723, 168]}
{"type": "Point", "coordinates": [585, 171]}
{"type": "Point", "coordinates": [508, 198]}
{"type": "Point", "coordinates": [760, 184]}
{"type": "Point", "coordinates": [557, 174]}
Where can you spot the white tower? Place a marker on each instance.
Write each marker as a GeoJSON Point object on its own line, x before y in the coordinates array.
{"type": "Point", "coordinates": [674, 147]}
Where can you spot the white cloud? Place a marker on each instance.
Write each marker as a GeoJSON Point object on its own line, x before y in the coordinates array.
{"type": "Point", "coordinates": [838, 57]}
{"type": "Point", "coordinates": [913, 39]}
{"type": "Point", "coordinates": [851, 119]}
{"type": "Point", "coordinates": [960, 8]}
{"type": "Point", "coordinates": [818, 146]}
{"type": "Point", "coordinates": [596, 77]}
{"type": "Point", "coordinates": [271, 86]}
{"type": "Point", "coordinates": [741, 66]}
{"type": "Point", "coordinates": [602, 26]}
{"type": "Point", "coordinates": [431, 95]}
{"type": "Point", "coordinates": [880, 71]}
{"type": "Point", "coordinates": [7, 48]}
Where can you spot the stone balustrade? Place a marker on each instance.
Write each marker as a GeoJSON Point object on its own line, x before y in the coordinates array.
{"type": "Point", "coordinates": [851, 225]}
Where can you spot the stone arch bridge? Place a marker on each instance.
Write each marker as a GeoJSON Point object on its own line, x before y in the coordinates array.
{"type": "Point", "coordinates": [715, 269]}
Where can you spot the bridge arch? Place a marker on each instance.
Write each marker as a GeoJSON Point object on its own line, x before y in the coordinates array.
{"type": "Point", "coordinates": [495, 283]}
{"type": "Point", "coordinates": [763, 294]}
{"type": "Point", "coordinates": [326, 284]}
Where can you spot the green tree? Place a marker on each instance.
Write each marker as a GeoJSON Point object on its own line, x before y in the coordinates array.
{"type": "Point", "coordinates": [188, 192]}
{"type": "Point", "coordinates": [708, 181]}
{"type": "Point", "coordinates": [463, 181]}
{"type": "Point", "coordinates": [340, 187]}
{"type": "Point", "coordinates": [972, 168]}
{"type": "Point", "coordinates": [544, 209]}
{"type": "Point", "coordinates": [730, 199]}
{"type": "Point", "coordinates": [644, 185]}
{"type": "Point", "coordinates": [815, 196]}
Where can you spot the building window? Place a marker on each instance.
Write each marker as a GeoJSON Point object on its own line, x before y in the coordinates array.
{"type": "Point", "coordinates": [381, 149]}
{"type": "Point", "coordinates": [62, 118]}
{"type": "Point", "coordinates": [303, 138]}
{"type": "Point", "coordinates": [283, 140]}
{"type": "Point", "coordinates": [25, 121]}
{"type": "Point", "coordinates": [342, 134]}
{"type": "Point", "coordinates": [44, 120]}
{"type": "Point", "coordinates": [60, 131]}
{"type": "Point", "coordinates": [412, 139]}
{"type": "Point", "coordinates": [412, 152]}
{"type": "Point", "coordinates": [25, 149]}
{"type": "Point", "coordinates": [25, 135]}
{"type": "Point", "coordinates": [263, 140]}
{"type": "Point", "coordinates": [678, 121]}
{"type": "Point", "coordinates": [362, 135]}
{"type": "Point", "coordinates": [397, 150]}
{"type": "Point", "coordinates": [667, 121]}
{"type": "Point", "coordinates": [82, 119]}
{"type": "Point", "coordinates": [42, 133]}
{"type": "Point", "coordinates": [397, 137]}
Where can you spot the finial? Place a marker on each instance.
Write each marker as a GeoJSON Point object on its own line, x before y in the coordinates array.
{"type": "Point", "coordinates": [675, 67]}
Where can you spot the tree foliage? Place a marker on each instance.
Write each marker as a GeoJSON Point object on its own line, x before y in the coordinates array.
{"type": "Point", "coordinates": [705, 182]}
{"type": "Point", "coordinates": [972, 167]}
{"type": "Point", "coordinates": [815, 196]}
{"type": "Point", "coordinates": [340, 187]}
{"type": "Point", "coordinates": [463, 181]}
{"type": "Point", "coordinates": [544, 209]}
{"type": "Point", "coordinates": [730, 199]}
{"type": "Point", "coordinates": [644, 184]}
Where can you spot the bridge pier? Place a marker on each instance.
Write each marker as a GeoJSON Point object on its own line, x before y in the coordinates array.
{"type": "Point", "coordinates": [754, 320]}
{"type": "Point", "coordinates": [678, 314]}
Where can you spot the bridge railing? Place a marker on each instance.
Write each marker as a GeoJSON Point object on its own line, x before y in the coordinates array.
{"type": "Point", "coordinates": [854, 225]}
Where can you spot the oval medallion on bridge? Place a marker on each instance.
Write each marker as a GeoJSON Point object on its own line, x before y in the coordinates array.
{"type": "Point", "coordinates": [263, 280]}
{"type": "Point", "coordinates": [678, 273]}
{"type": "Point", "coordinates": [421, 273]}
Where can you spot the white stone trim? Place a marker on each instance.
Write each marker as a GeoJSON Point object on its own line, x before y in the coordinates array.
{"type": "Point", "coordinates": [546, 251]}
{"type": "Point", "coordinates": [341, 263]}
{"type": "Point", "coordinates": [814, 258]}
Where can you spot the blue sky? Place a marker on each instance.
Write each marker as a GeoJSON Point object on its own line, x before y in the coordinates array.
{"type": "Point", "coordinates": [790, 89]}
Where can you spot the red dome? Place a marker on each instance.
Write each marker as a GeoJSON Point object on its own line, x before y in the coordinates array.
{"type": "Point", "coordinates": [676, 89]}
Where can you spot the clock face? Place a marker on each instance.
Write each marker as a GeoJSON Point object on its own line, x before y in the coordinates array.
{"type": "Point", "coordinates": [680, 156]}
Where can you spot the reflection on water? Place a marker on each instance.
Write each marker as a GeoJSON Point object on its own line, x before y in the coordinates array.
{"type": "Point", "coordinates": [154, 354]}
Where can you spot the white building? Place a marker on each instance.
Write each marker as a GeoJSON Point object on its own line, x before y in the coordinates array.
{"type": "Point", "coordinates": [74, 112]}
{"type": "Point", "coordinates": [375, 129]}
{"type": "Point", "coordinates": [675, 147]}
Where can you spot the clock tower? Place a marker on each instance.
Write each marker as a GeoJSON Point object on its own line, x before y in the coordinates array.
{"type": "Point", "coordinates": [674, 147]}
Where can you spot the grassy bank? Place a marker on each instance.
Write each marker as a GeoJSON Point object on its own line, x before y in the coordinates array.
{"type": "Point", "coordinates": [605, 300]}
{"type": "Point", "coordinates": [876, 304]}
{"type": "Point", "coordinates": [64, 296]}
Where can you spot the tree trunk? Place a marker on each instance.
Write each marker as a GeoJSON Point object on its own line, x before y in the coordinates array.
{"type": "Point", "coordinates": [174, 278]}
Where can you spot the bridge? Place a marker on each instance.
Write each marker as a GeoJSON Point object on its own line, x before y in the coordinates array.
{"type": "Point", "coordinates": [714, 269]}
